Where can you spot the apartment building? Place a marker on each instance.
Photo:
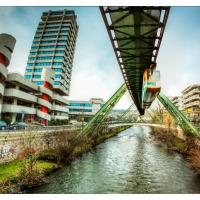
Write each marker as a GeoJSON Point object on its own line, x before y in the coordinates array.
{"type": "Point", "coordinates": [191, 103]}
{"type": "Point", "coordinates": [53, 48]}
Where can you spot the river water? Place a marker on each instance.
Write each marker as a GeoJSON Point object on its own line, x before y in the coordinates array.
{"type": "Point", "coordinates": [128, 164]}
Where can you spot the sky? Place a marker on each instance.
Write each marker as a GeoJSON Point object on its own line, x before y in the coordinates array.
{"type": "Point", "coordinates": [96, 72]}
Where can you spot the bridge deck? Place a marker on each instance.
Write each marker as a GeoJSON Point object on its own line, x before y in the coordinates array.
{"type": "Point", "coordinates": [135, 34]}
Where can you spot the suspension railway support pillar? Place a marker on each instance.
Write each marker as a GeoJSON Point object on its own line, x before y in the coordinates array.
{"type": "Point", "coordinates": [105, 110]}
{"type": "Point", "coordinates": [179, 118]}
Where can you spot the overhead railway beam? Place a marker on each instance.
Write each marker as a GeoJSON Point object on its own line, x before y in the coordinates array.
{"type": "Point", "coordinates": [136, 34]}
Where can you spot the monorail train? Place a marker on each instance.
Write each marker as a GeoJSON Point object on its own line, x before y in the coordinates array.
{"type": "Point", "coordinates": [151, 87]}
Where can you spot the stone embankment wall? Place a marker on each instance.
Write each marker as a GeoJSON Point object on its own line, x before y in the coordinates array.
{"type": "Point", "coordinates": [13, 145]}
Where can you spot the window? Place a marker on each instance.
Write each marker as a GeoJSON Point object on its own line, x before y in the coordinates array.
{"type": "Point", "coordinates": [30, 64]}
{"type": "Point", "coordinates": [45, 58]}
{"type": "Point", "coordinates": [57, 83]}
{"type": "Point", "coordinates": [58, 63]}
{"type": "Point", "coordinates": [66, 31]}
{"type": "Point", "coordinates": [62, 41]}
{"type": "Point", "coordinates": [47, 37]}
{"type": "Point", "coordinates": [70, 12]}
{"type": "Point", "coordinates": [57, 76]}
{"type": "Point", "coordinates": [54, 27]}
{"type": "Point", "coordinates": [81, 104]}
{"type": "Point", "coordinates": [39, 29]}
{"type": "Point", "coordinates": [31, 58]}
{"type": "Point", "coordinates": [28, 76]}
{"type": "Point", "coordinates": [58, 57]}
{"type": "Point", "coordinates": [56, 13]}
{"type": "Point", "coordinates": [32, 53]}
{"type": "Point", "coordinates": [60, 46]}
{"type": "Point", "coordinates": [60, 52]}
{"type": "Point", "coordinates": [39, 82]}
{"type": "Point", "coordinates": [63, 36]}
{"type": "Point", "coordinates": [33, 48]}
{"type": "Point", "coordinates": [66, 23]}
{"type": "Point", "coordinates": [58, 70]}
{"type": "Point", "coordinates": [43, 64]}
{"type": "Point", "coordinates": [35, 42]}
{"type": "Point", "coordinates": [37, 70]}
{"type": "Point", "coordinates": [29, 70]}
{"type": "Point", "coordinates": [79, 110]}
{"type": "Point", "coordinates": [65, 27]}
{"type": "Point", "coordinates": [44, 14]}
{"type": "Point", "coordinates": [38, 33]}
{"type": "Point", "coordinates": [51, 32]}
{"type": "Point", "coordinates": [36, 38]}
{"type": "Point", "coordinates": [36, 76]}
{"type": "Point", "coordinates": [45, 52]}
{"type": "Point", "coordinates": [53, 23]}
{"type": "Point", "coordinates": [47, 47]}
{"type": "Point", "coordinates": [47, 42]}
{"type": "Point", "coordinates": [101, 105]}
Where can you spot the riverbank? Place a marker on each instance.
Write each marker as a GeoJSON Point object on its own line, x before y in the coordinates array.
{"type": "Point", "coordinates": [12, 176]}
{"type": "Point", "coordinates": [187, 147]}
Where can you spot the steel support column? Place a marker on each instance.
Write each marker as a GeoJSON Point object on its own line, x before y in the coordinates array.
{"type": "Point", "coordinates": [179, 118]}
{"type": "Point", "coordinates": [105, 110]}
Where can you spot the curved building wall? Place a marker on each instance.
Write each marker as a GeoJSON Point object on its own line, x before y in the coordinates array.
{"type": "Point", "coordinates": [7, 44]}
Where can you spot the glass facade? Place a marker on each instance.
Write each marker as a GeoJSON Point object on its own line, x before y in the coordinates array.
{"type": "Point", "coordinates": [55, 34]}
{"type": "Point", "coordinates": [79, 110]}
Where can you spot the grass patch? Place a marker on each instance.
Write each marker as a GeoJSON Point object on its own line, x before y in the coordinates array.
{"type": "Point", "coordinates": [13, 168]}
{"type": "Point", "coordinates": [9, 169]}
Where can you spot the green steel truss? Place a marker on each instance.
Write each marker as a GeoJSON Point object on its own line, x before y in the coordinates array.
{"type": "Point", "coordinates": [179, 118]}
{"type": "Point", "coordinates": [126, 112]}
{"type": "Point", "coordinates": [105, 110]}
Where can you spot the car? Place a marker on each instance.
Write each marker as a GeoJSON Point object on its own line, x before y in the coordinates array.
{"type": "Point", "coordinates": [3, 125]}
{"type": "Point", "coordinates": [18, 125]}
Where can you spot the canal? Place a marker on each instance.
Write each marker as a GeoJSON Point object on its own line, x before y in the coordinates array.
{"type": "Point", "coordinates": [127, 163]}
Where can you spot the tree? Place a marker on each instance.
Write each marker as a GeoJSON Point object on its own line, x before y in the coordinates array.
{"type": "Point", "coordinates": [7, 119]}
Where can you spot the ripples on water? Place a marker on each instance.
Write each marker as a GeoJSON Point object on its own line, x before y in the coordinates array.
{"type": "Point", "coordinates": [127, 163]}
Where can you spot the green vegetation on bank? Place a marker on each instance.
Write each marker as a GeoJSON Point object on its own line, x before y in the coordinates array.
{"type": "Point", "coordinates": [10, 169]}
{"type": "Point", "coordinates": [31, 168]}
{"type": "Point", "coordinates": [187, 147]}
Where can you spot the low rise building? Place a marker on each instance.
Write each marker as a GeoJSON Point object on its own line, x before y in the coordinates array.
{"type": "Point", "coordinates": [85, 108]}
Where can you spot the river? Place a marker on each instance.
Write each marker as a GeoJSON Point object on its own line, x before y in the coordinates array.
{"type": "Point", "coordinates": [128, 164]}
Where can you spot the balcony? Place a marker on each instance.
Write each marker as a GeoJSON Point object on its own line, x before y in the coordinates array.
{"type": "Point", "coordinates": [1, 90]}
{"type": "Point", "coordinates": [3, 73]}
{"type": "Point", "coordinates": [11, 108]}
{"type": "Point", "coordinates": [45, 91]}
{"type": "Point", "coordinates": [16, 77]}
{"type": "Point", "coordinates": [44, 103]}
{"type": "Point", "coordinates": [14, 93]}
{"type": "Point", "coordinates": [194, 103]}
{"type": "Point", "coordinates": [194, 97]}
{"type": "Point", "coordinates": [192, 92]}
{"type": "Point", "coordinates": [43, 115]}
{"type": "Point", "coordinates": [59, 98]}
{"type": "Point", "coordinates": [60, 108]}
{"type": "Point", "coordinates": [61, 117]}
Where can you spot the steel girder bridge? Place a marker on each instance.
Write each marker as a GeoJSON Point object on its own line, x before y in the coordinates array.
{"type": "Point", "coordinates": [136, 34]}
